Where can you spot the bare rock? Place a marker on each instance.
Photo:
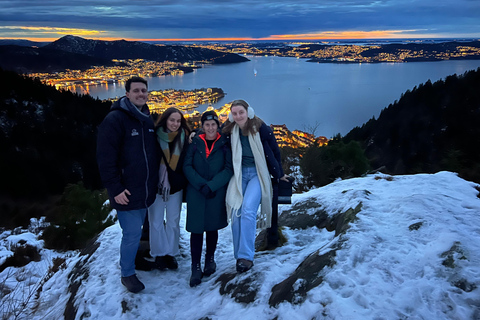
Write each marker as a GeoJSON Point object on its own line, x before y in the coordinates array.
{"type": "Point", "coordinates": [242, 288]}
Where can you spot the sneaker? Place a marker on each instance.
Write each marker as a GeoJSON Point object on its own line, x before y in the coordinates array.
{"type": "Point", "coordinates": [133, 284]}
{"type": "Point", "coordinates": [171, 262]}
{"type": "Point", "coordinates": [160, 263]}
{"type": "Point", "coordinates": [197, 275]}
{"type": "Point", "coordinates": [210, 266]}
{"type": "Point", "coordinates": [244, 265]}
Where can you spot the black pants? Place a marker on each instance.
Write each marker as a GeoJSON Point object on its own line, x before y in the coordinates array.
{"type": "Point", "coordinates": [196, 244]}
{"type": "Point", "coordinates": [272, 232]}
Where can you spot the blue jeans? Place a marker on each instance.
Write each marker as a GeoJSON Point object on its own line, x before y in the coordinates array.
{"type": "Point", "coordinates": [131, 223]}
{"type": "Point", "coordinates": [244, 223]}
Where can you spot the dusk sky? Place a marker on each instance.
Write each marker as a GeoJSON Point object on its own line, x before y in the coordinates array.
{"type": "Point", "coordinates": [48, 20]}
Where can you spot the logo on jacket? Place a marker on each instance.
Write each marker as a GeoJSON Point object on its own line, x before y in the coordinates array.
{"type": "Point", "coordinates": [134, 132]}
{"type": "Point", "coordinates": [151, 130]}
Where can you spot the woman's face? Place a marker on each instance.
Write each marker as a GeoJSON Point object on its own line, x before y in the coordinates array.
{"type": "Point", "coordinates": [210, 128]}
{"type": "Point", "coordinates": [174, 121]}
{"type": "Point", "coordinates": [240, 115]}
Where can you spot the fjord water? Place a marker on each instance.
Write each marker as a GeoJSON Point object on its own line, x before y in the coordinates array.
{"type": "Point", "coordinates": [301, 94]}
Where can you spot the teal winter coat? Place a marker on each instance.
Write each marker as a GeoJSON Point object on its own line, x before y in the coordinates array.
{"type": "Point", "coordinates": [207, 214]}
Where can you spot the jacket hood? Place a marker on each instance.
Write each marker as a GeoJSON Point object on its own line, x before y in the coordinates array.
{"type": "Point", "coordinates": [126, 106]}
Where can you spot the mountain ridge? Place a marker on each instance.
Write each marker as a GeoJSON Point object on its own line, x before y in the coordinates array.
{"type": "Point", "coordinates": [71, 52]}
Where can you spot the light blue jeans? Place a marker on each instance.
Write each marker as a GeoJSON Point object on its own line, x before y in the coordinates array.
{"type": "Point", "coordinates": [131, 223]}
{"type": "Point", "coordinates": [244, 223]}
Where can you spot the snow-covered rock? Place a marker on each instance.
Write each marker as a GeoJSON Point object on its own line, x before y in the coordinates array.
{"type": "Point", "coordinates": [409, 249]}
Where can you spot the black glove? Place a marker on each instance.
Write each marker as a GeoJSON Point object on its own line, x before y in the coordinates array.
{"type": "Point", "coordinates": [207, 192]}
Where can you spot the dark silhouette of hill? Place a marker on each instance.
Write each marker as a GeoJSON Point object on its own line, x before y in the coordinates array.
{"type": "Point", "coordinates": [428, 50]}
{"type": "Point", "coordinates": [72, 52]}
{"type": "Point", "coordinates": [22, 42]}
{"type": "Point", "coordinates": [431, 128]}
{"type": "Point", "coordinates": [425, 51]}
{"type": "Point", "coordinates": [122, 49]}
{"type": "Point", "coordinates": [29, 59]}
{"type": "Point", "coordinates": [47, 138]}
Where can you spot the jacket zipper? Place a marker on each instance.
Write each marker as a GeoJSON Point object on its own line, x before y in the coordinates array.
{"type": "Point", "coordinates": [146, 163]}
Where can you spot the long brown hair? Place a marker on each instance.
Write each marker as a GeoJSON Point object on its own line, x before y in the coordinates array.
{"type": "Point", "coordinates": [162, 121]}
{"type": "Point", "coordinates": [251, 126]}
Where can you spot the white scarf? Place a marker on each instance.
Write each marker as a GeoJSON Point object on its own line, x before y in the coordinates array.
{"type": "Point", "coordinates": [234, 197]}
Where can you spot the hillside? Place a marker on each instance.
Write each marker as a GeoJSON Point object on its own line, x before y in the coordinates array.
{"type": "Point", "coordinates": [23, 43]}
{"type": "Point", "coordinates": [23, 59]}
{"type": "Point", "coordinates": [378, 247]}
{"type": "Point", "coordinates": [431, 128]}
{"type": "Point", "coordinates": [72, 52]}
{"type": "Point", "coordinates": [123, 49]}
{"type": "Point", "coordinates": [47, 138]}
{"type": "Point", "coordinates": [398, 52]}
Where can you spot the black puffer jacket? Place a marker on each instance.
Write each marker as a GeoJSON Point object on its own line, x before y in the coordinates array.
{"type": "Point", "coordinates": [127, 155]}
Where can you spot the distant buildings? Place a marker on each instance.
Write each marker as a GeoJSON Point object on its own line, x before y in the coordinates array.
{"type": "Point", "coordinates": [101, 75]}
{"type": "Point", "coordinates": [296, 139]}
{"type": "Point", "coordinates": [185, 100]}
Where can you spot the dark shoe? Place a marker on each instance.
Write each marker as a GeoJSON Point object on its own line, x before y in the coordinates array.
{"type": "Point", "coordinates": [244, 265]}
{"type": "Point", "coordinates": [171, 262]}
{"type": "Point", "coordinates": [143, 264]}
{"type": "Point", "coordinates": [160, 263]}
{"type": "Point", "coordinates": [133, 284]}
{"type": "Point", "coordinates": [197, 275]}
{"type": "Point", "coordinates": [210, 266]}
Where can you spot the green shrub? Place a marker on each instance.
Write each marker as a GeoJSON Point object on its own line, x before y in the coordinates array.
{"type": "Point", "coordinates": [79, 216]}
{"type": "Point", "coordinates": [322, 165]}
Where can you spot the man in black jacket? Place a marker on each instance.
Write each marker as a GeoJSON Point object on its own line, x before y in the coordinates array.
{"type": "Point", "coordinates": [128, 161]}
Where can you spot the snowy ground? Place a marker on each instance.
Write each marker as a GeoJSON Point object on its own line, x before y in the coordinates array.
{"type": "Point", "coordinates": [383, 271]}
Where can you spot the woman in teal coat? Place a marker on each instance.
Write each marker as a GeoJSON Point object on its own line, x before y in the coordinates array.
{"type": "Point", "coordinates": [208, 168]}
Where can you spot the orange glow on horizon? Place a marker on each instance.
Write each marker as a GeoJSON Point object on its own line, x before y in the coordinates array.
{"type": "Point", "coordinates": [328, 35]}
{"type": "Point", "coordinates": [334, 35]}
{"type": "Point", "coordinates": [46, 34]}
{"type": "Point", "coordinates": [54, 39]}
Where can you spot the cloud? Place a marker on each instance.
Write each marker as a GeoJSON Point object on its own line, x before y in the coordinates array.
{"type": "Point", "coordinates": [245, 18]}
{"type": "Point", "coordinates": [48, 32]}
{"type": "Point", "coordinates": [377, 34]}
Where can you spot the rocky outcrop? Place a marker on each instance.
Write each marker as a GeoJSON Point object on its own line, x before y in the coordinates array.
{"type": "Point", "coordinates": [309, 274]}
{"type": "Point", "coordinates": [77, 276]}
{"type": "Point", "coordinates": [310, 213]}
{"type": "Point", "coordinates": [242, 288]}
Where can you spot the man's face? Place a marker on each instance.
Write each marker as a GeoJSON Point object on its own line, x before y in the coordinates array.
{"type": "Point", "coordinates": [138, 94]}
